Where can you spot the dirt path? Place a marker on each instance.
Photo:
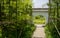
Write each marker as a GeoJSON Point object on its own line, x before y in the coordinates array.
{"type": "Point", "coordinates": [39, 32]}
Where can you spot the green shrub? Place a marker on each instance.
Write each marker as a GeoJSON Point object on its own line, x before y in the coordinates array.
{"type": "Point", "coordinates": [51, 31]}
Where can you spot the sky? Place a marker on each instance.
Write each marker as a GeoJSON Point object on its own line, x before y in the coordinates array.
{"type": "Point", "coordinates": [40, 3]}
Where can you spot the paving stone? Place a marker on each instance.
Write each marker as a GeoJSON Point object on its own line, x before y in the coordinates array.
{"type": "Point", "coordinates": [39, 32]}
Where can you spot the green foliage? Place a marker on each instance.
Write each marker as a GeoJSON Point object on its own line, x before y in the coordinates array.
{"type": "Point", "coordinates": [15, 19]}
{"type": "Point", "coordinates": [54, 15]}
{"type": "Point", "coordinates": [51, 31]}
{"type": "Point", "coordinates": [39, 19]}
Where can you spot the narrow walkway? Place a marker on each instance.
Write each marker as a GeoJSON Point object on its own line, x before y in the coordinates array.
{"type": "Point", "coordinates": [39, 32]}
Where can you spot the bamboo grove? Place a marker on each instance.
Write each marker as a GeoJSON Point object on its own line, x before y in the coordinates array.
{"type": "Point", "coordinates": [53, 27]}
{"type": "Point", "coordinates": [16, 19]}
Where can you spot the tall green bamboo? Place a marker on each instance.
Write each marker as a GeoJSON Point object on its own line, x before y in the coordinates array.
{"type": "Point", "coordinates": [15, 18]}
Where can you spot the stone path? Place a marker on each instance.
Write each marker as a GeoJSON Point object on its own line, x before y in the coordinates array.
{"type": "Point", "coordinates": [39, 32]}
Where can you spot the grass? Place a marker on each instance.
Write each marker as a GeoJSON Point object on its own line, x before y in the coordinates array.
{"type": "Point", "coordinates": [39, 21]}
{"type": "Point", "coordinates": [47, 32]}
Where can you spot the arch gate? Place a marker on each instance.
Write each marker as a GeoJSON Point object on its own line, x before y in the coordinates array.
{"type": "Point", "coordinates": [41, 11]}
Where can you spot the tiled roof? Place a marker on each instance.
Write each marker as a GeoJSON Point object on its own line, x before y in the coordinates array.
{"type": "Point", "coordinates": [40, 8]}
